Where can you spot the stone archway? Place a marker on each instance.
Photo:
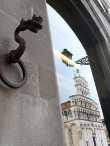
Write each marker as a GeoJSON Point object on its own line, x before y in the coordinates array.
{"type": "Point", "coordinates": [85, 18]}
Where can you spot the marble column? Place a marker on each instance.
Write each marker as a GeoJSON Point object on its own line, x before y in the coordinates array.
{"type": "Point", "coordinates": [30, 115]}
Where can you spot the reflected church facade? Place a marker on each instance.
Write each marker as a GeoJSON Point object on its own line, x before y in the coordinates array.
{"type": "Point", "coordinates": [82, 121]}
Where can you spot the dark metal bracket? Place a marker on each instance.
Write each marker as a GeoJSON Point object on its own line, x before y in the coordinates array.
{"type": "Point", "coordinates": [83, 61]}
{"type": "Point", "coordinates": [13, 57]}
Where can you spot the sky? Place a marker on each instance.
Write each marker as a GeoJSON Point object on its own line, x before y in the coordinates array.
{"type": "Point", "coordinates": [63, 37]}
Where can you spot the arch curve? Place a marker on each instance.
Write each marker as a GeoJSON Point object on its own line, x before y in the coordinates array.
{"type": "Point", "coordinates": [78, 18]}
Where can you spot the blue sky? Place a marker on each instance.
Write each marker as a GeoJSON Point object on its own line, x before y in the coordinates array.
{"type": "Point", "coordinates": [63, 37]}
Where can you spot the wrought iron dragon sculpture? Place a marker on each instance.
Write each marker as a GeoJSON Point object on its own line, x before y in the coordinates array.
{"type": "Point", "coordinates": [33, 25]}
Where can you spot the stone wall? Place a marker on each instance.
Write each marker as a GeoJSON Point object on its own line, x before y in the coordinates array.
{"type": "Point", "coordinates": [30, 115]}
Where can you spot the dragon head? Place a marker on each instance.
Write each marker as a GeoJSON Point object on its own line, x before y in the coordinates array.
{"type": "Point", "coordinates": [34, 24]}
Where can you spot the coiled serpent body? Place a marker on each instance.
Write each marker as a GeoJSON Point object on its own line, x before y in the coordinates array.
{"type": "Point", "coordinates": [14, 56]}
